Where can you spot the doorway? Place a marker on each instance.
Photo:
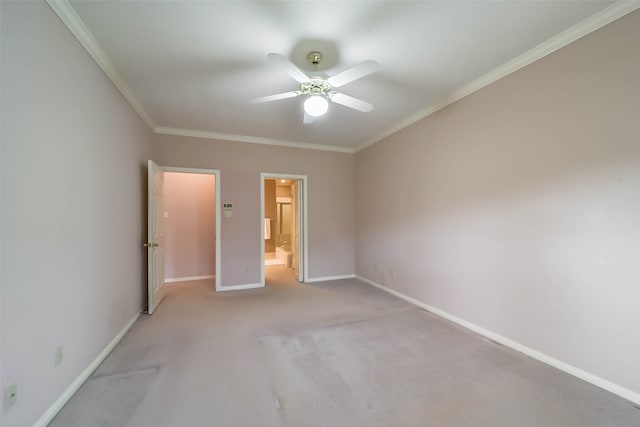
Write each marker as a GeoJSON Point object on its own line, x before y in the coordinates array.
{"type": "Point", "coordinates": [284, 224]}
{"type": "Point", "coordinates": [192, 225]}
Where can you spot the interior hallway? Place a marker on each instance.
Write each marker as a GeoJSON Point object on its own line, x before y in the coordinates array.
{"type": "Point", "coordinates": [330, 354]}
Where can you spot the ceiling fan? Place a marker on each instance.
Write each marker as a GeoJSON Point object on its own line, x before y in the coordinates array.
{"type": "Point", "coordinates": [320, 89]}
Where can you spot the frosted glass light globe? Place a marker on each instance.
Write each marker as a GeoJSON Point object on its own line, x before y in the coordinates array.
{"type": "Point", "coordinates": [316, 105]}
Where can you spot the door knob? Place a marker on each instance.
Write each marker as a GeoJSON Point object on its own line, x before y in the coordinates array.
{"type": "Point", "coordinates": [147, 245]}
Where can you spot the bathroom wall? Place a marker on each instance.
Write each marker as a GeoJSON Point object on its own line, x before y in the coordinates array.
{"type": "Point", "coordinates": [270, 212]}
{"type": "Point", "coordinates": [283, 190]}
{"type": "Point", "coordinates": [190, 226]}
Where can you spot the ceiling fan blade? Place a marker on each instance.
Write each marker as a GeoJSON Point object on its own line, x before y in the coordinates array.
{"type": "Point", "coordinates": [275, 97]}
{"type": "Point", "coordinates": [354, 73]}
{"type": "Point", "coordinates": [308, 119]}
{"type": "Point", "coordinates": [351, 102]}
{"type": "Point", "coordinates": [295, 72]}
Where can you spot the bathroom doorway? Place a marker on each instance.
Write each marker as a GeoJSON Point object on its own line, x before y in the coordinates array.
{"type": "Point", "coordinates": [284, 224]}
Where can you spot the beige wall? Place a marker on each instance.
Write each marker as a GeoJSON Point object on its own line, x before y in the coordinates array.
{"type": "Point", "coordinates": [517, 208]}
{"type": "Point", "coordinates": [283, 190]}
{"type": "Point", "coordinates": [330, 178]}
{"type": "Point", "coordinates": [190, 228]}
{"type": "Point", "coordinates": [73, 208]}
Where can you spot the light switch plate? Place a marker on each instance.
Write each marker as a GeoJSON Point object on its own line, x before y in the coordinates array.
{"type": "Point", "coordinates": [10, 395]}
{"type": "Point", "coordinates": [58, 356]}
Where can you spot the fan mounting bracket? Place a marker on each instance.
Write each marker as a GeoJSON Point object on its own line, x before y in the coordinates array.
{"type": "Point", "coordinates": [314, 58]}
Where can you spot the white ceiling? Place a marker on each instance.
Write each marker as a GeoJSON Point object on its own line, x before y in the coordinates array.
{"type": "Point", "coordinates": [191, 67]}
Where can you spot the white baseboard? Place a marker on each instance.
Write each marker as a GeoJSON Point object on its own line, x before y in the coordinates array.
{"type": "Point", "coordinates": [544, 358]}
{"type": "Point", "coordinates": [326, 279]}
{"type": "Point", "coordinates": [53, 410]}
{"type": "Point", "coordinates": [240, 287]}
{"type": "Point", "coordinates": [188, 279]}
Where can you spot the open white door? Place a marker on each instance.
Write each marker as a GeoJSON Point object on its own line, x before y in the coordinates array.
{"type": "Point", "coordinates": [296, 197]}
{"type": "Point", "coordinates": [155, 236]}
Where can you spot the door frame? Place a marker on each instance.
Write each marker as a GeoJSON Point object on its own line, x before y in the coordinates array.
{"type": "Point", "coordinates": [218, 205]}
{"type": "Point", "coordinates": [304, 232]}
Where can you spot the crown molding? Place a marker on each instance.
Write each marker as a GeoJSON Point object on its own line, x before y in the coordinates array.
{"type": "Point", "coordinates": [250, 139]}
{"type": "Point", "coordinates": [581, 29]}
{"type": "Point", "coordinates": [77, 27]}
{"type": "Point", "coordinates": [74, 23]}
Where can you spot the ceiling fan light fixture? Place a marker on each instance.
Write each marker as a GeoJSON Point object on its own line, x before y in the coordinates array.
{"type": "Point", "coordinates": [316, 105]}
{"type": "Point", "coordinates": [319, 89]}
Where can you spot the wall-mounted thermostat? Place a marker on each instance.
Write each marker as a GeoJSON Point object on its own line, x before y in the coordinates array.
{"type": "Point", "coordinates": [227, 209]}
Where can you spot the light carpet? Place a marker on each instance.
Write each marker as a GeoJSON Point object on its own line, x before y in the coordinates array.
{"type": "Point", "coordinates": [337, 353]}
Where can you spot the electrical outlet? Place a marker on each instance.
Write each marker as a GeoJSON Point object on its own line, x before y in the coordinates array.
{"type": "Point", "coordinates": [10, 395]}
{"type": "Point", "coordinates": [392, 272]}
{"type": "Point", "coordinates": [58, 356]}
{"type": "Point", "coordinates": [375, 267]}
{"type": "Point", "coordinates": [246, 268]}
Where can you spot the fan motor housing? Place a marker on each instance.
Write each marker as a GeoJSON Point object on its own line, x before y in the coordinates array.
{"type": "Point", "coordinates": [316, 86]}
